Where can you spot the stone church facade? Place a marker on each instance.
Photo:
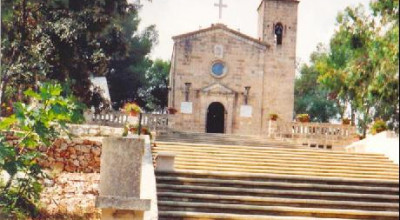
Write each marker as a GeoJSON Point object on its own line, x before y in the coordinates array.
{"type": "Point", "coordinates": [223, 81]}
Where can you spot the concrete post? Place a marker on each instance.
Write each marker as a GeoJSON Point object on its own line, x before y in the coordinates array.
{"type": "Point", "coordinates": [165, 161]}
{"type": "Point", "coordinates": [120, 175]}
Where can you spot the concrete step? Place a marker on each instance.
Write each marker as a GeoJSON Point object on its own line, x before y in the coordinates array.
{"type": "Point", "coordinates": [283, 167]}
{"type": "Point", "coordinates": [300, 194]}
{"type": "Point", "coordinates": [270, 201]}
{"type": "Point", "coordinates": [284, 162]}
{"type": "Point", "coordinates": [291, 179]}
{"type": "Point", "coordinates": [165, 215]}
{"type": "Point", "coordinates": [284, 172]}
{"type": "Point", "coordinates": [276, 149]}
{"type": "Point", "coordinates": [288, 163]}
{"type": "Point", "coordinates": [276, 210]}
{"type": "Point", "coordinates": [274, 184]}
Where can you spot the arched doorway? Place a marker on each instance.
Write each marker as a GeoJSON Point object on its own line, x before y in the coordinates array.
{"type": "Point", "coordinates": [216, 118]}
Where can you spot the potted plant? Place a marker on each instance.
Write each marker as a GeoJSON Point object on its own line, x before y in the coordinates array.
{"type": "Point", "coordinates": [172, 111]}
{"type": "Point", "coordinates": [131, 109]}
{"type": "Point", "coordinates": [378, 127]}
{"type": "Point", "coordinates": [346, 121]}
{"type": "Point", "coordinates": [273, 117]}
{"type": "Point", "coordinates": [304, 118]}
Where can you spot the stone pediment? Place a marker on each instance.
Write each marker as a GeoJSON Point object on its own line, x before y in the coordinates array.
{"type": "Point", "coordinates": [218, 88]}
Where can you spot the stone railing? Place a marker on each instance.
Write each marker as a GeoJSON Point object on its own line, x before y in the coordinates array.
{"type": "Point", "coordinates": [321, 135]}
{"type": "Point", "coordinates": [158, 123]}
{"type": "Point", "coordinates": [113, 119]}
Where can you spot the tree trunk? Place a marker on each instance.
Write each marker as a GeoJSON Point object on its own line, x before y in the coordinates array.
{"type": "Point", "coordinates": [365, 123]}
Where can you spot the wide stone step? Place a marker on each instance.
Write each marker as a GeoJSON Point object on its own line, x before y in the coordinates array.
{"type": "Point", "coordinates": [320, 173]}
{"type": "Point", "coordinates": [287, 164]}
{"type": "Point", "coordinates": [281, 178]}
{"type": "Point", "coordinates": [268, 156]}
{"type": "Point", "coordinates": [282, 184]}
{"type": "Point", "coordinates": [250, 149]}
{"type": "Point", "coordinates": [229, 142]}
{"type": "Point", "coordinates": [301, 194]}
{"type": "Point", "coordinates": [267, 159]}
{"type": "Point", "coordinates": [276, 210]}
{"type": "Point", "coordinates": [270, 201]}
{"type": "Point", "coordinates": [219, 216]}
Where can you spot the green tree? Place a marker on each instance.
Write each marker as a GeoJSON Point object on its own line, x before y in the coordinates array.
{"type": "Point", "coordinates": [361, 68]}
{"type": "Point", "coordinates": [156, 88]}
{"type": "Point", "coordinates": [36, 124]}
{"type": "Point", "coordinates": [311, 98]}
{"type": "Point", "coordinates": [65, 40]}
{"type": "Point", "coordinates": [128, 65]}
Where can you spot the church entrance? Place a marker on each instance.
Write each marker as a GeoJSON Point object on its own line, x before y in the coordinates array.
{"type": "Point", "coordinates": [216, 118]}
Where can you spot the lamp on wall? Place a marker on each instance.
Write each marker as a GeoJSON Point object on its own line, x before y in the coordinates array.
{"type": "Point", "coordinates": [246, 94]}
{"type": "Point", "coordinates": [187, 90]}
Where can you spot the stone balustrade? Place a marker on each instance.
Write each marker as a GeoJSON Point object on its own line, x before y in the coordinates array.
{"type": "Point", "coordinates": [113, 119]}
{"type": "Point", "coordinates": [158, 123]}
{"type": "Point", "coordinates": [322, 135]}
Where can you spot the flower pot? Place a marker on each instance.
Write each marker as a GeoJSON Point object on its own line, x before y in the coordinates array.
{"type": "Point", "coordinates": [273, 117]}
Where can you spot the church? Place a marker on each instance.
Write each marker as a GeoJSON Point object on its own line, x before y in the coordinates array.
{"type": "Point", "coordinates": [223, 81]}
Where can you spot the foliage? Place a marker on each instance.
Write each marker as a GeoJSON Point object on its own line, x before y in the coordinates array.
{"type": "Point", "coordinates": [303, 118]}
{"type": "Point", "coordinates": [131, 108]}
{"type": "Point", "coordinates": [156, 88]}
{"type": "Point", "coordinates": [37, 124]}
{"type": "Point", "coordinates": [311, 97]}
{"type": "Point", "coordinates": [68, 41]}
{"type": "Point", "coordinates": [133, 129]}
{"type": "Point", "coordinates": [129, 64]}
{"type": "Point", "coordinates": [378, 127]}
{"type": "Point", "coordinates": [362, 67]}
{"type": "Point", "coordinates": [346, 121]}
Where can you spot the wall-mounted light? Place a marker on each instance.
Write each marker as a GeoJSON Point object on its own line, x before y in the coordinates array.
{"type": "Point", "coordinates": [187, 91]}
{"type": "Point", "coordinates": [246, 94]}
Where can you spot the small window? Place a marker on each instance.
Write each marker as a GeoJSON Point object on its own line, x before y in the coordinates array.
{"type": "Point", "coordinates": [279, 33]}
{"type": "Point", "coordinates": [218, 69]}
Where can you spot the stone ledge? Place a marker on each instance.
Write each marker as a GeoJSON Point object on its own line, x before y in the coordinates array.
{"type": "Point", "coordinates": [134, 204]}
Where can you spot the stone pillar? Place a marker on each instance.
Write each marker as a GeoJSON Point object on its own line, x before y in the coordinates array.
{"type": "Point", "coordinates": [120, 175]}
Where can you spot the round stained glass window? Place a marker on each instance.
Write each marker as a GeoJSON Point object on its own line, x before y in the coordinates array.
{"type": "Point", "coordinates": [218, 69]}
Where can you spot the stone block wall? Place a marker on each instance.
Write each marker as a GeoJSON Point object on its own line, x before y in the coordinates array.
{"type": "Point", "coordinates": [81, 156]}
{"type": "Point", "coordinates": [72, 156]}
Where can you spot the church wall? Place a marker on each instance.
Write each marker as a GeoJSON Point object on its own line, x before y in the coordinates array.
{"type": "Point", "coordinates": [194, 57]}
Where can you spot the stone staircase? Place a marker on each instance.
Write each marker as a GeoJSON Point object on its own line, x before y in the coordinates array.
{"type": "Point", "coordinates": [221, 139]}
{"type": "Point", "coordinates": [248, 182]}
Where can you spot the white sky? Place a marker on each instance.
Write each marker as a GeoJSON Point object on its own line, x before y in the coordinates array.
{"type": "Point", "coordinates": [316, 23]}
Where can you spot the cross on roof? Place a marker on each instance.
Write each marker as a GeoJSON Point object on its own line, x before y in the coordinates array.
{"type": "Point", "coordinates": [220, 5]}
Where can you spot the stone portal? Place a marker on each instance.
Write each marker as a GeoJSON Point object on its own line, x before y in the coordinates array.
{"type": "Point", "coordinates": [216, 118]}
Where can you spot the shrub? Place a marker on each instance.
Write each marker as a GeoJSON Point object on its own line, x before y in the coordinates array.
{"type": "Point", "coordinates": [378, 127]}
{"type": "Point", "coordinates": [132, 109]}
{"type": "Point", "coordinates": [37, 124]}
{"type": "Point", "coordinates": [303, 118]}
{"type": "Point", "coordinates": [346, 121]}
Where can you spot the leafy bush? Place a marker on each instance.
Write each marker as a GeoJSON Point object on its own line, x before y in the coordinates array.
{"type": "Point", "coordinates": [303, 118]}
{"type": "Point", "coordinates": [378, 127]}
{"type": "Point", "coordinates": [37, 124]}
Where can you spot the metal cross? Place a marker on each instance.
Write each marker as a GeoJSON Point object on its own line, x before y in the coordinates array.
{"type": "Point", "coordinates": [220, 5]}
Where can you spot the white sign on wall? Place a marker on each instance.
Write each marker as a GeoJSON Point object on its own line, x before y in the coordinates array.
{"type": "Point", "coordinates": [246, 111]}
{"type": "Point", "coordinates": [186, 107]}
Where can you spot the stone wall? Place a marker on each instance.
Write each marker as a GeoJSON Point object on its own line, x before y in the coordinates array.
{"type": "Point", "coordinates": [72, 156]}
{"type": "Point", "coordinates": [81, 156]}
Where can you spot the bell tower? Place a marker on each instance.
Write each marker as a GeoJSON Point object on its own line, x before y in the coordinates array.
{"type": "Point", "coordinates": [277, 27]}
{"type": "Point", "coordinates": [278, 24]}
